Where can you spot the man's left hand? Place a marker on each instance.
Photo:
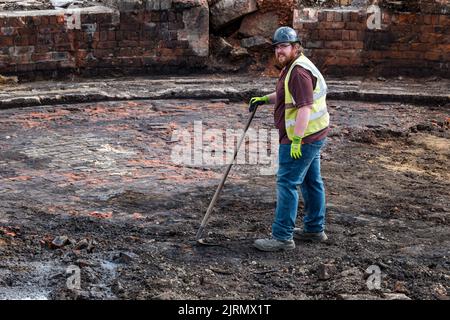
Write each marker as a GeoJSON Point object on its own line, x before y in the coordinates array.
{"type": "Point", "coordinates": [296, 147]}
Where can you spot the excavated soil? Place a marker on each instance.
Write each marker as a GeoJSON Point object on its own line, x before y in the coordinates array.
{"type": "Point", "coordinates": [93, 186]}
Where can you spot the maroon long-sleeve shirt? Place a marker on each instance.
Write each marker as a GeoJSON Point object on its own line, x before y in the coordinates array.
{"type": "Point", "coordinates": [301, 86]}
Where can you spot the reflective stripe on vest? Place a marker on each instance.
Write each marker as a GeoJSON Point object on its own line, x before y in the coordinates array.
{"type": "Point", "coordinates": [319, 118]}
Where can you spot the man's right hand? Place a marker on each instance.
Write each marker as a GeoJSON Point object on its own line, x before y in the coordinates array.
{"type": "Point", "coordinates": [257, 101]}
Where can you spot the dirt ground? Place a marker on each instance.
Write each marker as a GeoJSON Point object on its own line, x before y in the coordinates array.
{"type": "Point", "coordinates": [93, 186]}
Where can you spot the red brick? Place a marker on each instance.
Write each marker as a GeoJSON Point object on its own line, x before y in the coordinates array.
{"type": "Point", "coordinates": [107, 45]}
{"type": "Point", "coordinates": [111, 35]}
{"type": "Point", "coordinates": [338, 25]}
{"type": "Point", "coordinates": [6, 42]}
{"type": "Point", "coordinates": [323, 34]}
{"type": "Point", "coordinates": [127, 43]}
{"type": "Point", "coordinates": [435, 19]}
{"type": "Point", "coordinates": [444, 47]}
{"type": "Point", "coordinates": [346, 16]}
{"type": "Point", "coordinates": [413, 55]}
{"type": "Point", "coordinates": [419, 46]}
{"type": "Point", "coordinates": [337, 16]}
{"type": "Point", "coordinates": [330, 16]}
{"type": "Point", "coordinates": [432, 38]}
{"type": "Point", "coordinates": [134, 35]}
{"type": "Point", "coordinates": [39, 57]}
{"type": "Point", "coordinates": [333, 44]}
{"type": "Point", "coordinates": [44, 20]}
{"type": "Point", "coordinates": [314, 35]}
{"type": "Point", "coordinates": [419, 19]}
{"type": "Point", "coordinates": [26, 31]}
{"type": "Point", "coordinates": [401, 47]}
{"type": "Point", "coordinates": [314, 44]}
{"type": "Point", "coordinates": [374, 55]}
{"type": "Point", "coordinates": [146, 44]}
{"type": "Point", "coordinates": [119, 35]}
{"type": "Point", "coordinates": [354, 26]}
{"type": "Point", "coordinates": [360, 36]}
{"type": "Point", "coordinates": [311, 25]}
{"type": "Point", "coordinates": [400, 30]}
{"type": "Point", "coordinates": [426, 29]}
{"type": "Point", "coordinates": [444, 20]}
{"type": "Point", "coordinates": [28, 67]}
{"type": "Point", "coordinates": [352, 45]}
{"type": "Point", "coordinates": [322, 16]}
{"type": "Point", "coordinates": [354, 16]}
{"type": "Point", "coordinates": [353, 35]}
{"type": "Point", "coordinates": [42, 48]}
{"type": "Point", "coordinates": [37, 20]}
{"type": "Point", "coordinates": [345, 35]}
{"type": "Point", "coordinates": [337, 34]}
{"type": "Point", "coordinates": [21, 41]}
{"type": "Point", "coordinates": [103, 35]}
{"type": "Point", "coordinates": [23, 58]}
{"type": "Point", "coordinates": [406, 18]}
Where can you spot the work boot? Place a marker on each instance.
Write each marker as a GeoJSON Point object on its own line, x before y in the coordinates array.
{"type": "Point", "coordinates": [299, 234]}
{"type": "Point", "coordinates": [272, 244]}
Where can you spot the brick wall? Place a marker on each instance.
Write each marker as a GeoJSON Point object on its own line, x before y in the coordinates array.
{"type": "Point", "coordinates": [90, 40]}
{"type": "Point", "coordinates": [343, 41]}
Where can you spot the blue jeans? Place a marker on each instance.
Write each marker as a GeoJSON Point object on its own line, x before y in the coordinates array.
{"type": "Point", "coordinates": [306, 173]}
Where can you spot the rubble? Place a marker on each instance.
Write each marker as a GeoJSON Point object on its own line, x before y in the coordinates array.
{"type": "Point", "coordinates": [254, 42]}
{"type": "Point", "coordinates": [60, 241]}
{"type": "Point", "coordinates": [259, 24]}
{"type": "Point", "coordinates": [324, 271]}
{"type": "Point", "coordinates": [13, 5]}
{"type": "Point", "coordinates": [224, 12]}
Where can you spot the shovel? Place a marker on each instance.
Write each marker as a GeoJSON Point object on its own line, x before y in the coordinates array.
{"type": "Point", "coordinates": [198, 237]}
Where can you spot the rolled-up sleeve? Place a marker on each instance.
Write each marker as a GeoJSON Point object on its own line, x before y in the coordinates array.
{"type": "Point", "coordinates": [301, 86]}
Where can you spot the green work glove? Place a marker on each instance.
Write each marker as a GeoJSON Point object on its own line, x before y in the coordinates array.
{"type": "Point", "coordinates": [257, 101]}
{"type": "Point", "coordinates": [296, 147]}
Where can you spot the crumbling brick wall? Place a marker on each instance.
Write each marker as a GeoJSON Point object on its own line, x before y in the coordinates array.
{"type": "Point", "coordinates": [134, 36]}
{"type": "Point", "coordinates": [413, 38]}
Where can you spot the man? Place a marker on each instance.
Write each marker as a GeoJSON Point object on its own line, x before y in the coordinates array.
{"type": "Point", "coordinates": [303, 122]}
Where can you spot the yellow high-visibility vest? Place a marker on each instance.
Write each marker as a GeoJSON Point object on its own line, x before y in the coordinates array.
{"type": "Point", "coordinates": [319, 118]}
